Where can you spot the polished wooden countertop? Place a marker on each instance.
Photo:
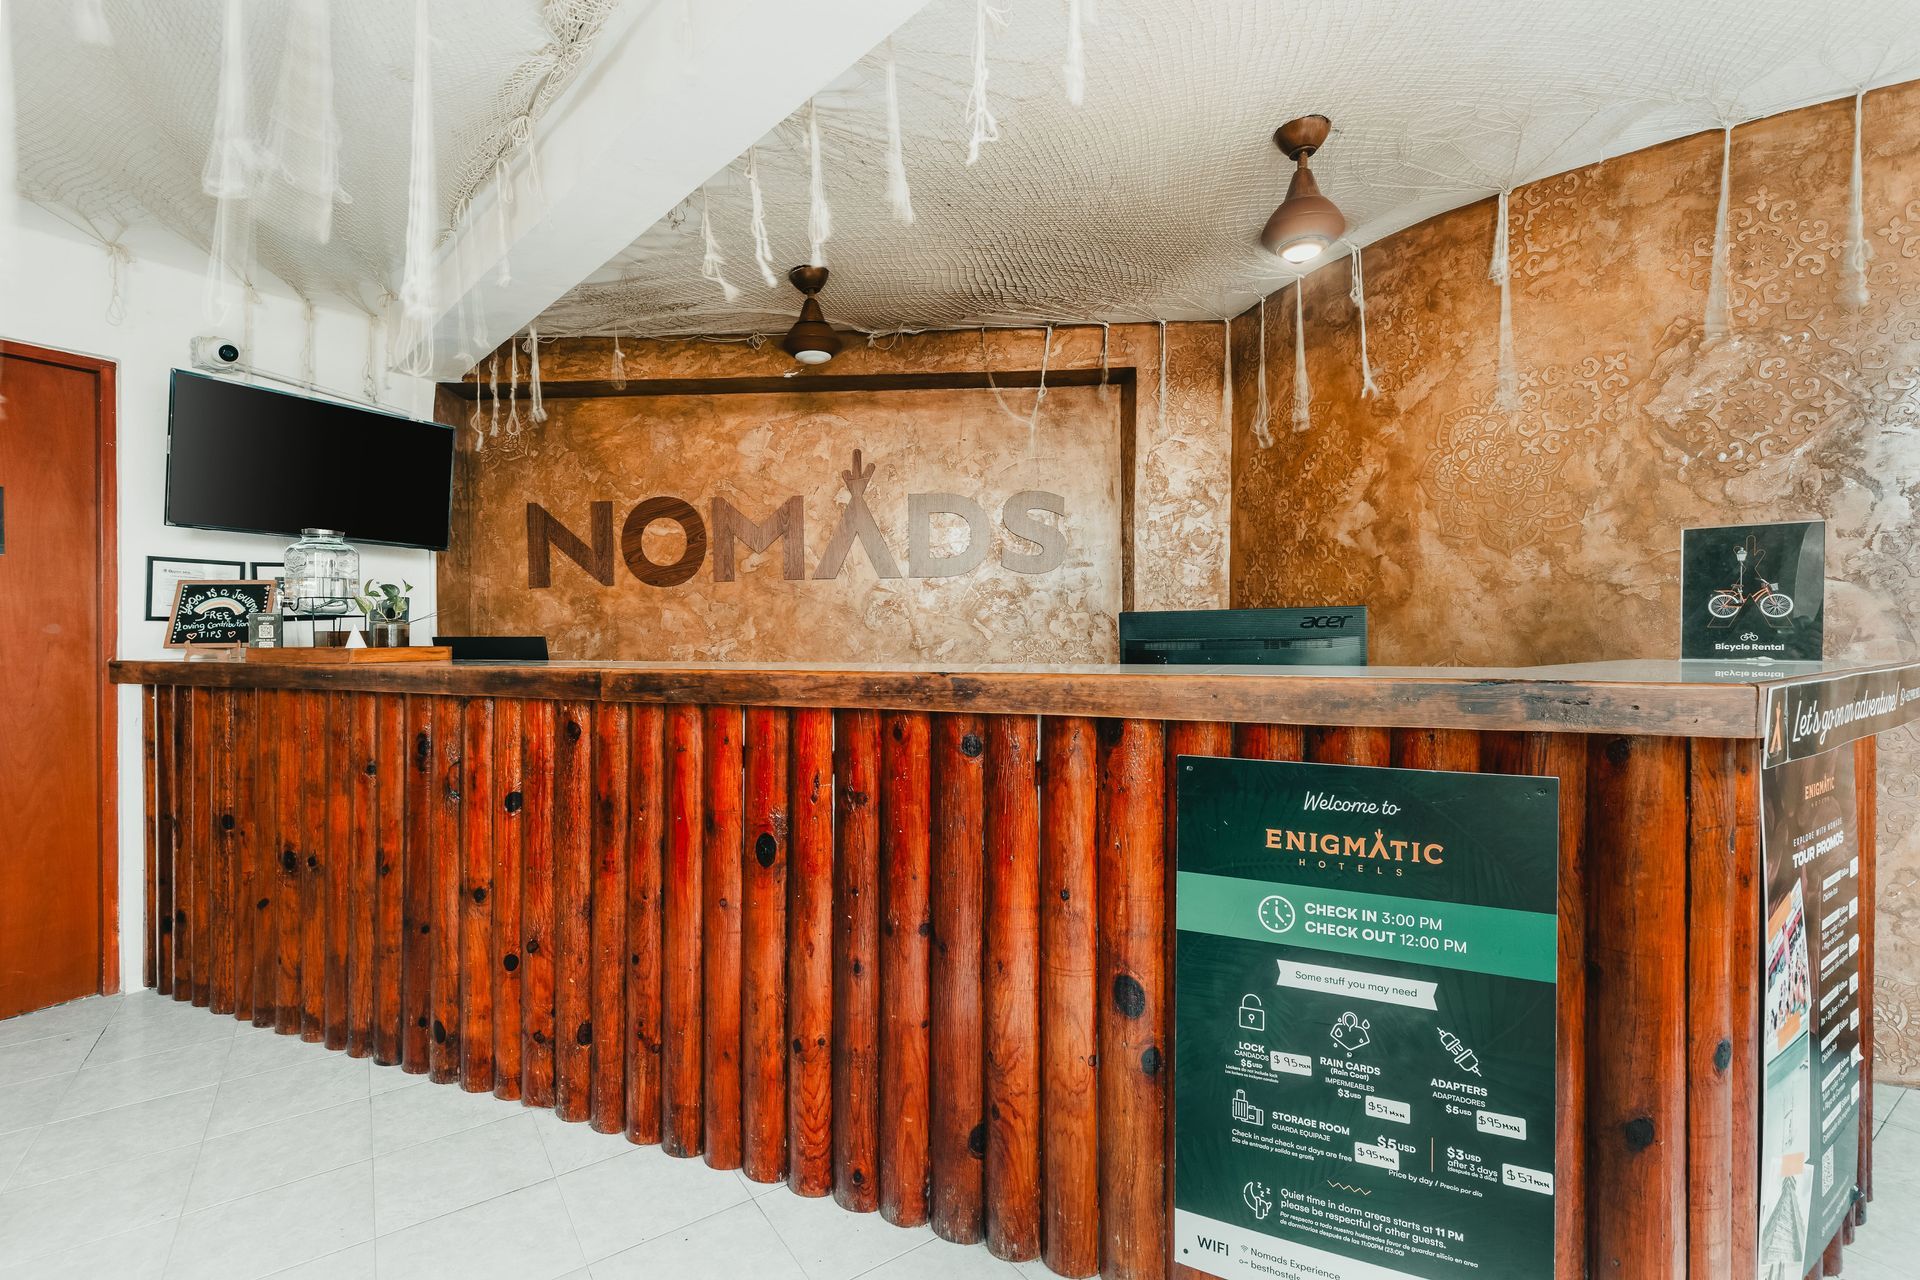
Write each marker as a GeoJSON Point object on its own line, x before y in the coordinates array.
{"type": "Point", "coordinates": [1693, 699]}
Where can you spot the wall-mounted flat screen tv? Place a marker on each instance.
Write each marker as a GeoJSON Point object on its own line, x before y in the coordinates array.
{"type": "Point", "coordinates": [249, 460]}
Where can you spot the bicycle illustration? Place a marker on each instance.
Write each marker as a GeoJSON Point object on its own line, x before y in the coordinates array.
{"type": "Point", "coordinates": [1771, 600]}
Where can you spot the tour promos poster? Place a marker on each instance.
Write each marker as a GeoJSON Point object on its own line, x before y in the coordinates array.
{"type": "Point", "coordinates": [1754, 591]}
{"type": "Point", "coordinates": [1810, 1112]}
{"type": "Point", "coordinates": [1364, 1017]}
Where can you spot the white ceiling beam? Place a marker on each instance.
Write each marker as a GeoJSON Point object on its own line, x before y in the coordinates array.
{"type": "Point", "coordinates": [651, 117]}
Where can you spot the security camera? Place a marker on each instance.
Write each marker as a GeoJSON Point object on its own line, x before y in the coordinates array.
{"type": "Point", "coordinates": [215, 353]}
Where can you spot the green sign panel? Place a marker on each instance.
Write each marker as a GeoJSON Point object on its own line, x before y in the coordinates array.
{"type": "Point", "coordinates": [1810, 1109]}
{"type": "Point", "coordinates": [1364, 1022]}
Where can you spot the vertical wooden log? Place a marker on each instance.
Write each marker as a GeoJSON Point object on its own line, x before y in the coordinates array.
{"type": "Point", "coordinates": [246, 847]}
{"type": "Point", "coordinates": [1069, 1002]}
{"type": "Point", "coordinates": [390, 847]}
{"type": "Point", "coordinates": [1012, 1014]}
{"type": "Point", "coordinates": [647, 833]}
{"type": "Point", "coordinates": [763, 948]}
{"type": "Point", "coordinates": [200, 857]}
{"type": "Point", "coordinates": [317, 753]}
{"type": "Point", "coordinates": [1133, 1101]}
{"type": "Point", "coordinates": [166, 798]}
{"type": "Point", "coordinates": [810, 957]}
{"type": "Point", "coordinates": [607, 1102]}
{"type": "Point", "coordinates": [720, 936]}
{"type": "Point", "coordinates": [337, 866]}
{"type": "Point", "coordinates": [957, 1132]}
{"type": "Point", "coordinates": [477, 806]}
{"type": "Point", "coordinates": [1269, 742]}
{"type": "Point", "coordinates": [572, 909]}
{"type": "Point", "coordinates": [1563, 756]}
{"type": "Point", "coordinates": [443, 1054]}
{"type": "Point", "coordinates": [905, 926]}
{"type": "Point", "coordinates": [289, 744]}
{"type": "Point", "coordinates": [856, 961]}
{"type": "Point", "coordinates": [1866, 763]}
{"type": "Point", "coordinates": [1347, 744]}
{"type": "Point", "coordinates": [269, 731]}
{"type": "Point", "coordinates": [681, 907]}
{"type": "Point", "coordinates": [1184, 738]}
{"type": "Point", "coordinates": [150, 793]}
{"type": "Point", "coordinates": [1453, 750]}
{"type": "Point", "coordinates": [416, 960]}
{"type": "Point", "coordinates": [509, 807]}
{"type": "Point", "coordinates": [223, 844]}
{"type": "Point", "coordinates": [1713, 782]}
{"type": "Point", "coordinates": [536, 903]}
{"type": "Point", "coordinates": [1637, 843]}
{"type": "Point", "coordinates": [362, 779]}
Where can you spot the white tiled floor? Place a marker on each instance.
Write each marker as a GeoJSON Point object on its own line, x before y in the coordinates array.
{"type": "Point", "coordinates": [141, 1138]}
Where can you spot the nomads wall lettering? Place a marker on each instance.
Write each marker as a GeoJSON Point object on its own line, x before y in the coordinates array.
{"type": "Point", "coordinates": [1365, 995]}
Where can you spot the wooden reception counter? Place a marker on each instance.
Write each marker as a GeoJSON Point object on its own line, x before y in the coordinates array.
{"type": "Point", "coordinates": [902, 934]}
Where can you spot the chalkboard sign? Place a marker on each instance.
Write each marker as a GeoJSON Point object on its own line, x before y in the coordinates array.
{"type": "Point", "coordinates": [213, 615]}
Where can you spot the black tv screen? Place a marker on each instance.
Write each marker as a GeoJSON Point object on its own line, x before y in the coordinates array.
{"type": "Point", "coordinates": [250, 460]}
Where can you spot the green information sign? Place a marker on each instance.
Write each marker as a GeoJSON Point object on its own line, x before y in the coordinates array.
{"type": "Point", "coordinates": [1364, 1022]}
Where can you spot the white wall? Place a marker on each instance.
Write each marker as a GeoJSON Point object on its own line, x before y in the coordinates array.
{"type": "Point", "coordinates": [59, 298]}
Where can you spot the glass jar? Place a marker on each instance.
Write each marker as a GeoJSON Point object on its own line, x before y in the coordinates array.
{"type": "Point", "coordinates": [323, 573]}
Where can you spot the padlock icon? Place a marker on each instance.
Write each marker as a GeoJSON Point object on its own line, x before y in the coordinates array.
{"type": "Point", "coordinates": [1253, 1014]}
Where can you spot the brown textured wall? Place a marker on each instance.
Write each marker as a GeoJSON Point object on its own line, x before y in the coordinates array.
{"type": "Point", "coordinates": [1169, 473]}
{"type": "Point", "coordinates": [1552, 533]}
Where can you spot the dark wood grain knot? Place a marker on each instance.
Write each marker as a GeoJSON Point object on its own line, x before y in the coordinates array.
{"type": "Point", "coordinates": [226, 822]}
{"type": "Point", "coordinates": [1723, 1056]}
{"type": "Point", "coordinates": [583, 1034]}
{"type": "Point", "coordinates": [513, 801]}
{"type": "Point", "coordinates": [977, 1141]}
{"type": "Point", "coordinates": [423, 752]}
{"type": "Point", "coordinates": [1639, 1133]}
{"type": "Point", "coordinates": [372, 767]}
{"type": "Point", "coordinates": [510, 962]}
{"type": "Point", "coordinates": [1150, 1060]}
{"type": "Point", "coordinates": [971, 746]}
{"type": "Point", "coordinates": [289, 861]}
{"type": "Point", "coordinates": [1129, 997]}
{"type": "Point", "coordinates": [764, 849]}
{"type": "Point", "coordinates": [479, 894]}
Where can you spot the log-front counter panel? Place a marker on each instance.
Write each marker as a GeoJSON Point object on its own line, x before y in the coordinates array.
{"type": "Point", "coordinates": [903, 936]}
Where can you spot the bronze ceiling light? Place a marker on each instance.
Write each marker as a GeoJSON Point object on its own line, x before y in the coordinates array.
{"type": "Point", "coordinates": [811, 340]}
{"type": "Point", "coordinates": [1306, 221]}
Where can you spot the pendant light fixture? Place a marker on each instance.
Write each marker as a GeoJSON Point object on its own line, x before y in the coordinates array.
{"type": "Point", "coordinates": [811, 340]}
{"type": "Point", "coordinates": [1306, 221]}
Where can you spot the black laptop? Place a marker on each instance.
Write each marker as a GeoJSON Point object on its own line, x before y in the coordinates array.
{"type": "Point", "coordinates": [495, 648]}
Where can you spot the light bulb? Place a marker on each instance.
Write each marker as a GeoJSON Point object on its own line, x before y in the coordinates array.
{"type": "Point", "coordinates": [1304, 250]}
{"type": "Point", "coordinates": [813, 357]}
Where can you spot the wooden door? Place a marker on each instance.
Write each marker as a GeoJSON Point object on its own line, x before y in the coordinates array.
{"type": "Point", "coordinates": [58, 901]}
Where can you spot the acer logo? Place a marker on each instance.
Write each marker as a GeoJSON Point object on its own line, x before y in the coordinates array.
{"type": "Point", "coordinates": [1326, 621]}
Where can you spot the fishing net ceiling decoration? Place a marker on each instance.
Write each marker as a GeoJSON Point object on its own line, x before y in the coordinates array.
{"type": "Point", "coordinates": [1141, 202]}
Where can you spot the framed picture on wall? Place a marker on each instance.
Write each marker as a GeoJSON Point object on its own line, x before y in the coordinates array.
{"type": "Point", "coordinates": [268, 569]}
{"type": "Point", "coordinates": [166, 573]}
{"type": "Point", "coordinates": [213, 615]}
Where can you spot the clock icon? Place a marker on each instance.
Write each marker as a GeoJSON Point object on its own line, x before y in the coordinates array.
{"type": "Point", "coordinates": [1276, 914]}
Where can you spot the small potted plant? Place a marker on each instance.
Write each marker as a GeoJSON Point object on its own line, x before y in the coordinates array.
{"type": "Point", "coordinates": [387, 606]}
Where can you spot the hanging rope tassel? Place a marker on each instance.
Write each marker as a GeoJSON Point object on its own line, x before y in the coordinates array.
{"type": "Point", "coordinates": [898, 195]}
{"type": "Point", "coordinates": [493, 391]}
{"type": "Point", "coordinates": [1076, 69]}
{"type": "Point", "coordinates": [982, 128]}
{"type": "Point", "coordinates": [309, 334]}
{"type": "Point", "coordinates": [502, 202]}
{"type": "Point", "coordinates": [1854, 257]}
{"type": "Point", "coordinates": [819, 216]}
{"type": "Point", "coordinates": [1226, 377]}
{"type": "Point", "coordinates": [536, 404]}
{"type": "Point", "coordinates": [711, 265]}
{"type": "Point", "coordinates": [1719, 319]}
{"type": "Point", "coordinates": [1506, 393]}
{"type": "Point", "coordinates": [1163, 379]}
{"type": "Point", "coordinates": [229, 172]}
{"type": "Point", "coordinates": [1262, 408]}
{"type": "Point", "coordinates": [513, 389]}
{"type": "Point", "coordinates": [416, 282]}
{"type": "Point", "coordinates": [617, 372]}
{"type": "Point", "coordinates": [1040, 396]}
{"type": "Point", "coordinates": [1302, 391]}
{"type": "Point", "coordinates": [762, 247]}
{"type": "Point", "coordinates": [1358, 293]}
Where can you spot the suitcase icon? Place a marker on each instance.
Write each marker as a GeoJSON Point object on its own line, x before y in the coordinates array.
{"type": "Point", "coordinates": [1253, 1014]}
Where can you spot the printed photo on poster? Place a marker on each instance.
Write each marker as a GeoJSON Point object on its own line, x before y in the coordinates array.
{"type": "Point", "coordinates": [1754, 591]}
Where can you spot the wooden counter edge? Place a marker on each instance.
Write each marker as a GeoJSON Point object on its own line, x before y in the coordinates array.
{"type": "Point", "coordinates": [1439, 701]}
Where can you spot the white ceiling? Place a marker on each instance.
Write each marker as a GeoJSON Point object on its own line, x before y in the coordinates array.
{"type": "Point", "coordinates": [1145, 202]}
